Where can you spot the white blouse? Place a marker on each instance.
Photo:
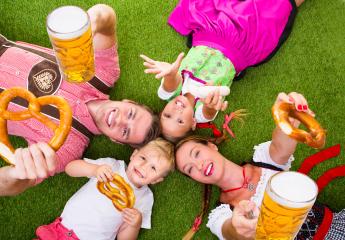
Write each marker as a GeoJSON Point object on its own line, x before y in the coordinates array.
{"type": "Point", "coordinates": [220, 214]}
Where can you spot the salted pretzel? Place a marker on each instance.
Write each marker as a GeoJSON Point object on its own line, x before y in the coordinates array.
{"type": "Point", "coordinates": [33, 111]}
{"type": "Point", "coordinates": [122, 195]}
{"type": "Point", "coordinates": [316, 136]}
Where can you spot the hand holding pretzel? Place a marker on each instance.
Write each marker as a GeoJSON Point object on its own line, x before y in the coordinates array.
{"type": "Point", "coordinates": [296, 107]}
{"type": "Point", "coordinates": [60, 131]}
{"type": "Point", "coordinates": [118, 191]}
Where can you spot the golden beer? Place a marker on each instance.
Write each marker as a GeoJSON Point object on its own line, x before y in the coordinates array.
{"type": "Point", "coordinates": [69, 30]}
{"type": "Point", "coordinates": [287, 200]}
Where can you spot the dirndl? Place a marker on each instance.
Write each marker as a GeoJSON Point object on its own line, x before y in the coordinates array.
{"type": "Point", "coordinates": [247, 32]}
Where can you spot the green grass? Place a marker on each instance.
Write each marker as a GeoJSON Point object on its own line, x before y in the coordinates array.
{"type": "Point", "coordinates": [311, 62]}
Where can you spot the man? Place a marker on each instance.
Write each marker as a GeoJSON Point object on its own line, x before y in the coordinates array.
{"type": "Point", "coordinates": [35, 68]}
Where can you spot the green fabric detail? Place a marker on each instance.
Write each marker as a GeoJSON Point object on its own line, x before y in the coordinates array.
{"type": "Point", "coordinates": [209, 65]}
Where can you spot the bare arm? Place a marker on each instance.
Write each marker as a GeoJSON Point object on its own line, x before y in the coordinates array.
{"type": "Point", "coordinates": [171, 82]}
{"type": "Point", "coordinates": [168, 71]}
{"type": "Point", "coordinates": [80, 168]}
{"type": "Point", "coordinates": [239, 226]}
{"type": "Point", "coordinates": [132, 219]}
{"type": "Point", "coordinates": [103, 24]}
{"type": "Point", "coordinates": [282, 146]}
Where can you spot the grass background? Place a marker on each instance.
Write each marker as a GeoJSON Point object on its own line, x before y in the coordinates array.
{"type": "Point", "coordinates": [311, 62]}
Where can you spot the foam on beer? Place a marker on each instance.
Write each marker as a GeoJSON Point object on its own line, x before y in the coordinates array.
{"type": "Point", "coordinates": [67, 22]}
{"type": "Point", "coordinates": [292, 189]}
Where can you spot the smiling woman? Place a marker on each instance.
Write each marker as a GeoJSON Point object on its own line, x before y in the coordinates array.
{"type": "Point", "coordinates": [242, 187]}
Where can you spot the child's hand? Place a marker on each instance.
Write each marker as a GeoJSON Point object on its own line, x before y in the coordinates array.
{"type": "Point", "coordinates": [162, 69]}
{"type": "Point", "coordinates": [104, 173]}
{"type": "Point", "coordinates": [215, 101]}
{"type": "Point", "coordinates": [132, 217]}
{"type": "Point", "coordinates": [299, 101]}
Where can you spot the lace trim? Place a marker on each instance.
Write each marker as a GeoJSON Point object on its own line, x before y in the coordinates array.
{"type": "Point", "coordinates": [220, 212]}
{"type": "Point", "coordinates": [260, 187]}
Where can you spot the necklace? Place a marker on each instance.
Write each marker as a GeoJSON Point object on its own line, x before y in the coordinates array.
{"type": "Point", "coordinates": [245, 184]}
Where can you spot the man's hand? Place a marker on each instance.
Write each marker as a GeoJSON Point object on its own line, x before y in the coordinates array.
{"type": "Point", "coordinates": [104, 173]}
{"type": "Point", "coordinates": [162, 69]}
{"type": "Point", "coordinates": [132, 217]}
{"type": "Point", "coordinates": [37, 161]}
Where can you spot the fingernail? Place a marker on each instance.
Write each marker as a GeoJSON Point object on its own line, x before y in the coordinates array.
{"type": "Point", "coordinates": [305, 107]}
{"type": "Point", "coordinates": [290, 99]}
{"type": "Point", "coordinates": [299, 107]}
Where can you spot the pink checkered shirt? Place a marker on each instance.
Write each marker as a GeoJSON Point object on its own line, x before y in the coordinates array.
{"type": "Point", "coordinates": [15, 66]}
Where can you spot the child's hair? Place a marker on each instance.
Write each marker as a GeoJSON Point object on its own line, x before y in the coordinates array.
{"type": "Point", "coordinates": [166, 150]}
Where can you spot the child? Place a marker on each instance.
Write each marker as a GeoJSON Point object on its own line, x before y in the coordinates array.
{"type": "Point", "coordinates": [228, 36]}
{"type": "Point", "coordinates": [89, 214]}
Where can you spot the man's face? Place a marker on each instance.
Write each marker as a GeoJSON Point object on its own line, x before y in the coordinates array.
{"type": "Point", "coordinates": [123, 121]}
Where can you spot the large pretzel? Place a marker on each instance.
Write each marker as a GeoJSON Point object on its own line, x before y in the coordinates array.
{"type": "Point", "coordinates": [122, 195]}
{"type": "Point", "coordinates": [33, 111]}
{"type": "Point", "coordinates": [316, 136]}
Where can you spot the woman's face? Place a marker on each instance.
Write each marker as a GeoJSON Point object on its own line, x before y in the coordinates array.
{"type": "Point", "coordinates": [201, 162]}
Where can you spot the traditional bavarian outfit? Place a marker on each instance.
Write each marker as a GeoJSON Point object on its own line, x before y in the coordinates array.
{"type": "Point", "coordinates": [320, 223]}
{"type": "Point", "coordinates": [35, 68]}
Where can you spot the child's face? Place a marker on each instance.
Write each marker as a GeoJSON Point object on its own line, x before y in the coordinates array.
{"type": "Point", "coordinates": [178, 117]}
{"type": "Point", "coordinates": [146, 166]}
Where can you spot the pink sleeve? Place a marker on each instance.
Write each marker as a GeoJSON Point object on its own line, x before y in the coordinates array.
{"type": "Point", "coordinates": [107, 65]}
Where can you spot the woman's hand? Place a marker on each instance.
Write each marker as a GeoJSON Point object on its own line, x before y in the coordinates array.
{"type": "Point", "coordinates": [299, 101]}
{"type": "Point", "coordinates": [132, 217]}
{"type": "Point", "coordinates": [162, 69]}
{"type": "Point", "coordinates": [244, 219]}
{"type": "Point", "coordinates": [104, 173]}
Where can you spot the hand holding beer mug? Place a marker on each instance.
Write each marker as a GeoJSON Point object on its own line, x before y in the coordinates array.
{"type": "Point", "coordinates": [287, 200]}
{"type": "Point", "coordinates": [69, 30]}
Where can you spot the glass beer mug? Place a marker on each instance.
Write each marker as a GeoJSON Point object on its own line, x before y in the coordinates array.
{"type": "Point", "coordinates": [69, 30]}
{"type": "Point", "coordinates": [287, 200]}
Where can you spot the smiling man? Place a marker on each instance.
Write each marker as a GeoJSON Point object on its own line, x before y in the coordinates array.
{"type": "Point", "coordinates": [35, 68]}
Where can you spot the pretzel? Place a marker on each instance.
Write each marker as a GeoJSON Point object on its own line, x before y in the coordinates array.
{"type": "Point", "coordinates": [316, 136]}
{"type": "Point", "coordinates": [33, 111]}
{"type": "Point", "coordinates": [122, 196]}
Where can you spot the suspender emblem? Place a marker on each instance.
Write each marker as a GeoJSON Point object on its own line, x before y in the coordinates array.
{"type": "Point", "coordinates": [44, 78]}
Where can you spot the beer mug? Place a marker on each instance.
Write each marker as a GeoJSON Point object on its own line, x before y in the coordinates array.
{"type": "Point", "coordinates": [69, 30]}
{"type": "Point", "coordinates": [287, 200]}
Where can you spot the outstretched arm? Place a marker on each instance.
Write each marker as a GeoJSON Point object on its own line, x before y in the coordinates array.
{"type": "Point", "coordinates": [103, 24]}
{"type": "Point", "coordinates": [80, 168]}
{"type": "Point", "coordinates": [240, 226]}
{"type": "Point", "coordinates": [168, 71]}
{"type": "Point", "coordinates": [282, 146]}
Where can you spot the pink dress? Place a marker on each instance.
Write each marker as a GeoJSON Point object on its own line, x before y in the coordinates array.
{"type": "Point", "coordinates": [247, 32]}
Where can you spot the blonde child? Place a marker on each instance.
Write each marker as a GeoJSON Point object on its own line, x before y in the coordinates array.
{"type": "Point", "coordinates": [89, 214]}
{"type": "Point", "coordinates": [228, 36]}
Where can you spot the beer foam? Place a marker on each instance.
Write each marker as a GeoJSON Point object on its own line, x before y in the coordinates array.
{"type": "Point", "coordinates": [292, 189]}
{"type": "Point", "coordinates": [67, 22]}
